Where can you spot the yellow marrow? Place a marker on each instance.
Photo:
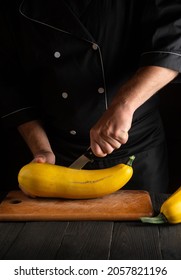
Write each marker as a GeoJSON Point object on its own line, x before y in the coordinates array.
{"type": "Point", "coordinates": [48, 180]}
{"type": "Point", "coordinates": [170, 211]}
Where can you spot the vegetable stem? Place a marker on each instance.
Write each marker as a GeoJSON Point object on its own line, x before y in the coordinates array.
{"type": "Point", "coordinates": [130, 161]}
{"type": "Point", "coordinates": [160, 219]}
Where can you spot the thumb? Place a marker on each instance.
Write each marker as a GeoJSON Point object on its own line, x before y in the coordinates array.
{"type": "Point", "coordinates": [39, 159]}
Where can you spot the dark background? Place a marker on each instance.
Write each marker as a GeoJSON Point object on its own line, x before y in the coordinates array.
{"type": "Point", "coordinates": [15, 154]}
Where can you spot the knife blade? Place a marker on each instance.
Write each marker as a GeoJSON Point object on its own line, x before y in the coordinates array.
{"type": "Point", "coordinates": [81, 161]}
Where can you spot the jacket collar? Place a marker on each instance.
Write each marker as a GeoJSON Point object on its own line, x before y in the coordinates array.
{"type": "Point", "coordinates": [57, 14]}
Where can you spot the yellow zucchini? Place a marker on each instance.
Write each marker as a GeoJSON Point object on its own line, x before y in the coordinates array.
{"type": "Point", "coordinates": [48, 180]}
{"type": "Point", "coordinates": [170, 211]}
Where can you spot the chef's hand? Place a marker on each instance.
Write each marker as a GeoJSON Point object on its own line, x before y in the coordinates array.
{"type": "Point", "coordinates": [44, 157]}
{"type": "Point", "coordinates": [36, 138]}
{"type": "Point", "coordinates": [111, 131]}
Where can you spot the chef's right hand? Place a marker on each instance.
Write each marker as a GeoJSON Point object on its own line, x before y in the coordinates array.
{"type": "Point", "coordinates": [111, 130]}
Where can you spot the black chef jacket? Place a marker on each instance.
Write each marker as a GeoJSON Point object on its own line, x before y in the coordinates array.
{"type": "Point", "coordinates": [63, 61]}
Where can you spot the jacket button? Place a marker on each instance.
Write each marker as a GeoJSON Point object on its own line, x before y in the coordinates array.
{"type": "Point", "coordinates": [57, 54]}
{"type": "Point", "coordinates": [64, 95]}
{"type": "Point", "coordinates": [94, 46]}
{"type": "Point", "coordinates": [101, 90]}
{"type": "Point", "coordinates": [73, 132]}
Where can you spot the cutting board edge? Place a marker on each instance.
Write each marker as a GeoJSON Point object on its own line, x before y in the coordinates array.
{"type": "Point", "coordinates": [71, 216]}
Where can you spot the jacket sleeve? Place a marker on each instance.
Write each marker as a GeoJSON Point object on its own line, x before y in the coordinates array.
{"type": "Point", "coordinates": [162, 34]}
{"type": "Point", "coordinates": [16, 103]}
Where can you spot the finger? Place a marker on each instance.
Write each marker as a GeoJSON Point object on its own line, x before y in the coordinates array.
{"type": "Point", "coordinates": [39, 159]}
{"type": "Point", "coordinates": [97, 150]}
{"type": "Point", "coordinates": [102, 148]}
{"type": "Point", "coordinates": [121, 137]}
{"type": "Point", "coordinates": [108, 144]}
{"type": "Point", "coordinates": [114, 143]}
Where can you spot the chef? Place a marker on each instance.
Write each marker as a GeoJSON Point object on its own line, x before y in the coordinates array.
{"type": "Point", "coordinates": [84, 73]}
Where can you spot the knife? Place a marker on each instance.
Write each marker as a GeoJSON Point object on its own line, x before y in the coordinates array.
{"type": "Point", "coordinates": [79, 163]}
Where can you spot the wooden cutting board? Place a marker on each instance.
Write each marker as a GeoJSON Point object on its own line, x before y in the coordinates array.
{"type": "Point", "coordinates": [121, 205]}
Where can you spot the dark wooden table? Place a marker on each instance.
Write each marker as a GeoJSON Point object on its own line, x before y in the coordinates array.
{"type": "Point", "coordinates": [90, 240]}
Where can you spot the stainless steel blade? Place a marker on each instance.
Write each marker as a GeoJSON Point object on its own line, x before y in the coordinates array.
{"type": "Point", "coordinates": [80, 162]}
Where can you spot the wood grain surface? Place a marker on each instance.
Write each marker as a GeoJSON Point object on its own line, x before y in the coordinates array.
{"type": "Point", "coordinates": [90, 240]}
{"type": "Point", "coordinates": [121, 205]}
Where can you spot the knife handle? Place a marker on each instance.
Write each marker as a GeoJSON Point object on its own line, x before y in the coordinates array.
{"type": "Point", "coordinates": [89, 154]}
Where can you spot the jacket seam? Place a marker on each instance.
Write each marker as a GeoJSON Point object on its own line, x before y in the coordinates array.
{"type": "Point", "coordinates": [160, 52]}
{"type": "Point", "coordinates": [48, 25]}
{"type": "Point", "coordinates": [16, 111]}
{"type": "Point", "coordinates": [37, 21]}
